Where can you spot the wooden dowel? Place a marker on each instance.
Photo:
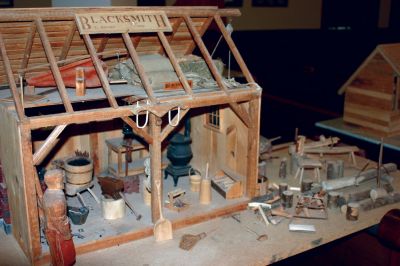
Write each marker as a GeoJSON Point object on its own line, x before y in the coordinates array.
{"type": "Point", "coordinates": [233, 49]}
{"type": "Point", "coordinates": [168, 128]}
{"type": "Point", "coordinates": [11, 80]}
{"type": "Point", "coordinates": [139, 67]}
{"type": "Point", "coordinates": [238, 109]}
{"type": "Point", "coordinates": [53, 65]}
{"type": "Point", "coordinates": [67, 43]}
{"type": "Point", "coordinates": [172, 58]}
{"type": "Point", "coordinates": [49, 143]}
{"type": "Point", "coordinates": [28, 47]}
{"type": "Point", "coordinates": [100, 72]}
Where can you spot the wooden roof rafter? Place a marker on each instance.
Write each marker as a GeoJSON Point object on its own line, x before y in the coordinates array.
{"type": "Point", "coordinates": [53, 65]}
{"type": "Point", "coordinates": [68, 41]}
{"type": "Point", "coordinates": [238, 109]}
{"type": "Point", "coordinates": [28, 48]}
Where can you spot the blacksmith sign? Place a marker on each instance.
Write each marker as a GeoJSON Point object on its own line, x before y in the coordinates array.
{"type": "Point", "coordinates": [122, 22]}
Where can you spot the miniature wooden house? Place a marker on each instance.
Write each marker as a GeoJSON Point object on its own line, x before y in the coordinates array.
{"type": "Point", "coordinates": [39, 125]}
{"type": "Point", "coordinates": [372, 92]}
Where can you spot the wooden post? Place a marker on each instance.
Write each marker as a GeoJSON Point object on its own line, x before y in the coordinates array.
{"type": "Point", "coordinates": [94, 152]}
{"type": "Point", "coordinates": [11, 80]}
{"type": "Point", "coordinates": [155, 165]}
{"type": "Point", "coordinates": [139, 68]}
{"type": "Point", "coordinates": [30, 193]}
{"type": "Point", "coordinates": [175, 64]}
{"type": "Point", "coordinates": [253, 147]}
{"type": "Point", "coordinates": [100, 71]}
{"type": "Point", "coordinates": [46, 147]}
{"type": "Point", "coordinates": [53, 65]}
{"type": "Point", "coordinates": [238, 109]}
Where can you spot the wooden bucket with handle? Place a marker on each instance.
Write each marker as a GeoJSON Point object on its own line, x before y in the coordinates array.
{"type": "Point", "coordinates": [163, 227]}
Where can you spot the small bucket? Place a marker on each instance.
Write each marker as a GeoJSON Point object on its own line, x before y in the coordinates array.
{"type": "Point", "coordinates": [194, 180]}
{"type": "Point", "coordinates": [77, 215]}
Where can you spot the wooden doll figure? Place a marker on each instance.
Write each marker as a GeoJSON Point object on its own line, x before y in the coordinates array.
{"type": "Point", "coordinates": [57, 227]}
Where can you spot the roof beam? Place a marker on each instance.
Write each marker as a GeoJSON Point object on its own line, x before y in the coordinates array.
{"type": "Point", "coordinates": [11, 80]}
{"type": "Point", "coordinates": [234, 49]}
{"type": "Point", "coordinates": [238, 109]}
{"type": "Point", "coordinates": [68, 41]}
{"type": "Point", "coordinates": [175, 28]}
{"type": "Point", "coordinates": [49, 143]}
{"type": "Point", "coordinates": [175, 64]}
{"type": "Point", "coordinates": [100, 71]}
{"type": "Point", "coordinates": [139, 67]}
{"type": "Point", "coordinates": [28, 48]}
{"type": "Point", "coordinates": [53, 65]}
{"type": "Point", "coordinates": [203, 29]}
{"type": "Point", "coordinates": [104, 114]}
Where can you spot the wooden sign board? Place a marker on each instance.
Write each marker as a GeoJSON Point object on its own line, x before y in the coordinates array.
{"type": "Point", "coordinates": [122, 22]}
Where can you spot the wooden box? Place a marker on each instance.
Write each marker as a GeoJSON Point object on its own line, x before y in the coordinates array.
{"type": "Point", "coordinates": [229, 185]}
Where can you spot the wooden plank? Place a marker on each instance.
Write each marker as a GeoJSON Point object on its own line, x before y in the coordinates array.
{"type": "Point", "coordinates": [253, 147]}
{"type": "Point", "coordinates": [28, 47]}
{"type": "Point", "coordinates": [374, 99]}
{"type": "Point", "coordinates": [175, 64]}
{"type": "Point", "coordinates": [11, 81]}
{"type": "Point", "coordinates": [22, 15]}
{"type": "Point", "coordinates": [104, 243]}
{"type": "Point", "coordinates": [68, 41]}
{"type": "Point", "coordinates": [168, 128]}
{"type": "Point", "coordinates": [139, 67]}
{"type": "Point", "coordinates": [49, 144]}
{"type": "Point", "coordinates": [94, 152]}
{"type": "Point", "coordinates": [234, 49]}
{"type": "Point", "coordinates": [155, 166]}
{"type": "Point", "coordinates": [103, 114]}
{"type": "Point", "coordinates": [53, 65]}
{"type": "Point", "coordinates": [238, 109]}
{"type": "Point", "coordinates": [100, 72]}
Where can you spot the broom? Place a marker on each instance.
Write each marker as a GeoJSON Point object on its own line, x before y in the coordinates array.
{"type": "Point", "coordinates": [188, 241]}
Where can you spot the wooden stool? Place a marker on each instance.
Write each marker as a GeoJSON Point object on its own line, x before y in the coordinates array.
{"type": "Point", "coordinates": [308, 164]}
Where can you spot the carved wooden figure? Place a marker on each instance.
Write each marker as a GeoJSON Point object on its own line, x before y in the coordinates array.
{"type": "Point", "coordinates": [57, 227]}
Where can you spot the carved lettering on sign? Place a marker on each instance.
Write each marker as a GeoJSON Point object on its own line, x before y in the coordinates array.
{"type": "Point", "coordinates": [122, 22]}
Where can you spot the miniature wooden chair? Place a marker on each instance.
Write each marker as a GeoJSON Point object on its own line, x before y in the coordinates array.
{"type": "Point", "coordinates": [308, 164]}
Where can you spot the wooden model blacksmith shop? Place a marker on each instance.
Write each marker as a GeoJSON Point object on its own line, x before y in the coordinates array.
{"type": "Point", "coordinates": [135, 135]}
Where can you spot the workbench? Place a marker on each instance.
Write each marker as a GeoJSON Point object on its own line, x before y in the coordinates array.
{"type": "Point", "coordinates": [229, 243]}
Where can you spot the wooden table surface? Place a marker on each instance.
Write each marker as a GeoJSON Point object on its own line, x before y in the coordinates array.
{"type": "Point", "coordinates": [231, 243]}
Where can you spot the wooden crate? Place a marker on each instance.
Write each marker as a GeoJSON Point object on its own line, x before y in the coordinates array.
{"type": "Point", "coordinates": [230, 186]}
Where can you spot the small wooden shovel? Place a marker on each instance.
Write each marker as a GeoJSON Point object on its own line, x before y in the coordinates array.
{"type": "Point", "coordinates": [163, 227]}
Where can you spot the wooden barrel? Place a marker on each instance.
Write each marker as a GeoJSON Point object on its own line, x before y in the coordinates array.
{"type": "Point", "coordinates": [78, 170]}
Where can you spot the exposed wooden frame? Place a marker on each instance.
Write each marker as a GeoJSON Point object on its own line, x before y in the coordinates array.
{"type": "Point", "coordinates": [174, 62]}
{"type": "Point", "coordinates": [11, 80]}
{"type": "Point", "coordinates": [49, 143]}
{"type": "Point", "coordinates": [238, 109]}
{"type": "Point", "coordinates": [100, 71]}
{"type": "Point", "coordinates": [203, 29]}
{"type": "Point", "coordinates": [68, 41]}
{"type": "Point", "coordinates": [28, 47]}
{"type": "Point", "coordinates": [155, 166]}
{"type": "Point", "coordinates": [81, 117]}
{"type": "Point", "coordinates": [139, 67]}
{"type": "Point", "coordinates": [175, 28]}
{"type": "Point", "coordinates": [234, 49]}
{"type": "Point", "coordinates": [138, 131]}
{"type": "Point", "coordinates": [253, 138]}
{"type": "Point", "coordinates": [53, 65]}
{"type": "Point", "coordinates": [103, 44]}
{"type": "Point", "coordinates": [69, 13]}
